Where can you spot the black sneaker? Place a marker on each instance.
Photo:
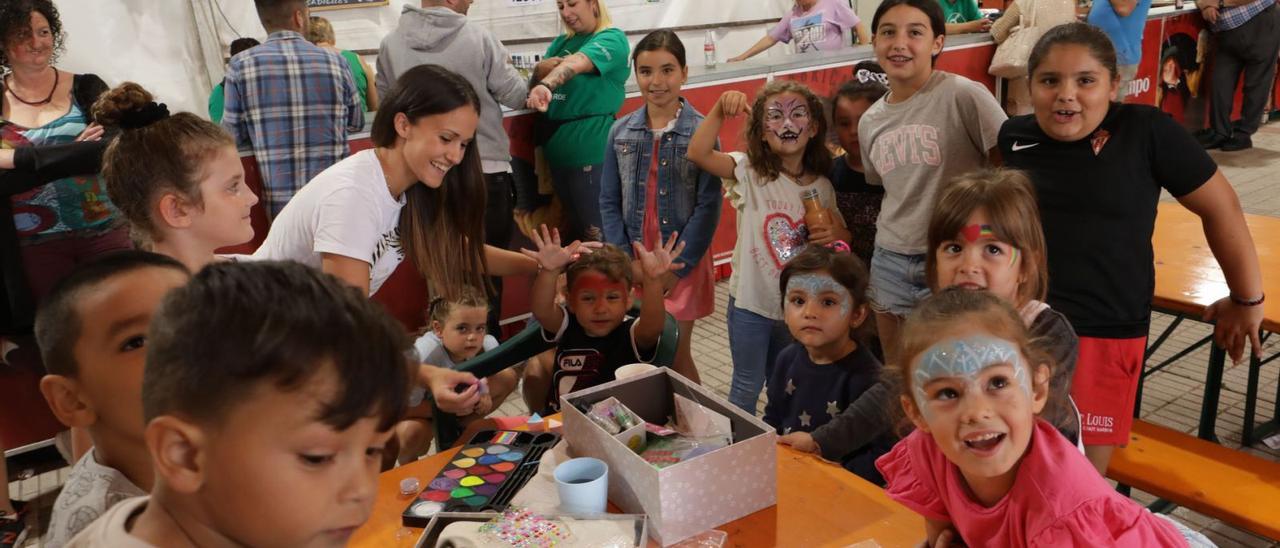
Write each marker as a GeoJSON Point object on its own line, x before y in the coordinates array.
{"type": "Point", "coordinates": [13, 527]}
{"type": "Point", "coordinates": [1238, 141]}
{"type": "Point", "coordinates": [1214, 140]}
{"type": "Point", "coordinates": [1204, 135]}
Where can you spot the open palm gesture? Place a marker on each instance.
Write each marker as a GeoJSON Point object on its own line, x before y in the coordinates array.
{"type": "Point", "coordinates": [655, 264]}
{"type": "Point", "coordinates": [550, 255]}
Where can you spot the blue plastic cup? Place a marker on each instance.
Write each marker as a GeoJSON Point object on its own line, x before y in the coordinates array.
{"type": "Point", "coordinates": [583, 484]}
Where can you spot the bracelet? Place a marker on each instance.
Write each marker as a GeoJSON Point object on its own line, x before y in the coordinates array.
{"type": "Point", "coordinates": [1248, 302]}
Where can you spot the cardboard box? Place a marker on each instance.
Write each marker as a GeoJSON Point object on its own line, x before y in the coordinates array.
{"type": "Point", "coordinates": [694, 495]}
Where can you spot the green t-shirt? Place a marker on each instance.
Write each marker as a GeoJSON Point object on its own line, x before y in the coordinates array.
{"type": "Point", "coordinates": [594, 97]}
{"type": "Point", "coordinates": [215, 104]}
{"type": "Point", "coordinates": [357, 74]}
{"type": "Point", "coordinates": [960, 11]}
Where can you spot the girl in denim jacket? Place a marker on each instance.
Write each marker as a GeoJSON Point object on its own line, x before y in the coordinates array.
{"type": "Point", "coordinates": [649, 190]}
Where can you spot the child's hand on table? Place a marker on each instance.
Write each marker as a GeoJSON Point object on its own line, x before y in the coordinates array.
{"type": "Point", "coordinates": [801, 441]}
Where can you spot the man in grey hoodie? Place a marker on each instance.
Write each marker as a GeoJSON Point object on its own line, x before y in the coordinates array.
{"type": "Point", "coordinates": [438, 33]}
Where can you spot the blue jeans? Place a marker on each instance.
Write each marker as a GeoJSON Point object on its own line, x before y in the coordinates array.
{"type": "Point", "coordinates": [754, 344]}
{"type": "Point", "coordinates": [579, 191]}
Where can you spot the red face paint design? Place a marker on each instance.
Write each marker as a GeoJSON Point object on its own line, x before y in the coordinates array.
{"type": "Point", "coordinates": [973, 233]}
{"type": "Point", "coordinates": [599, 303]}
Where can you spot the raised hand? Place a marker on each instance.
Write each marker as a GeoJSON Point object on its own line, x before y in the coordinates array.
{"type": "Point", "coordinates": [733, 103]}
{"type": "Point", "coordinates": [655, 264]}
{"type": "Point", "coordinates": [550, 255]}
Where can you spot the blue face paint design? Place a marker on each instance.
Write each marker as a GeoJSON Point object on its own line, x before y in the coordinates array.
{"type": "Point", "coordinates": [817, 284]}
{"type": "Point", "coordinates": [965, 359]}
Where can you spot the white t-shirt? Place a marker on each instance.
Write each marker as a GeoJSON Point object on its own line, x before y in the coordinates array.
{"type": "Point", "coordinates": [345, 210]}
{"type": "Point", "coordinates": [431, 351]}
{"type": "Point", "coordinates": [90, 490]}
{"type": "Point", "coordinates": [112, 530]}
{"type": "Point", "coordinates": [771, 231]}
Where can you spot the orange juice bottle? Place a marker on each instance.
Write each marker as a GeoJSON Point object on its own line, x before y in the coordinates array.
{"type": "Point", "coordinates": [814, 213]}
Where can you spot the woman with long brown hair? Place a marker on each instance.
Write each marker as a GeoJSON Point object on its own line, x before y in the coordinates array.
{"type": "Point", "coordinates": [418, 194]}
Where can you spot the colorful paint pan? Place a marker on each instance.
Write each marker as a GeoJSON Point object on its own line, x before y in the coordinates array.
{"type": "Point", "coordinates": [435, 496]}
{"type": "Point", "coordinates": [484, 475]}
{"type": "Point", "coordinates": [442, 484]}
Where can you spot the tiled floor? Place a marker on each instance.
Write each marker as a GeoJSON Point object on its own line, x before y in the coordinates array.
{"type": "Point", "coordinates": [1171, 397]}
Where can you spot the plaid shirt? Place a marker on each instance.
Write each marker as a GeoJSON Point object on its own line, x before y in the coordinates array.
{"type": "Point", "coordinates": [292, 103]}
{"type": "Point", "coordinates": [1233, 17]}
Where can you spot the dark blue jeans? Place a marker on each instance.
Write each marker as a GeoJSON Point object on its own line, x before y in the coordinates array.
{"type": "Point", "coordinates": [579, 191]}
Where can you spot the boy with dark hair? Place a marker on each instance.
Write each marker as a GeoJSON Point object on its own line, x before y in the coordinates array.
{"type": "Point", "coordinates": [594, 335]}
{"type": "Point", "coordinates": [91, 330]}
{"type": "Point", "coordinates": [270, 392]}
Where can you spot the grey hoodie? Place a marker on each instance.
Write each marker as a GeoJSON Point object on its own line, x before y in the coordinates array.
{"type": "Point", "coordinates": [442, 36]}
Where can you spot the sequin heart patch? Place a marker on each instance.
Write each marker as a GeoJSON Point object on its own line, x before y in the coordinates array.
{"type": "Point", "coordinates": [786, 236]}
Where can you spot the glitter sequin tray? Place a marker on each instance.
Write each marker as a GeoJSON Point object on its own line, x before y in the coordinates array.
{"type": "Point", "coordinates": [584, 531]}
{"type": "Point", "coordinates": [484, 475]}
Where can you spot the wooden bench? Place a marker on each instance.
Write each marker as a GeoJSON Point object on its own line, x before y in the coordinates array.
{"type": "Point", "coordinates": [1232, 486]}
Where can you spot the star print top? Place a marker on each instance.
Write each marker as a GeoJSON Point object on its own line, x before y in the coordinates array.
{"type": "Point", "coordinates": [804, 395]}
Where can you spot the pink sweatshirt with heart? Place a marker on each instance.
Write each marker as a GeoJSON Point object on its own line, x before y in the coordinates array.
{"type": "Point", "coordinates": [771, 231]}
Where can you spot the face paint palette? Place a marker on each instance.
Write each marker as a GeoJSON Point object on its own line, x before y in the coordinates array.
{"type": "Point", "coordinates": [484, 475]}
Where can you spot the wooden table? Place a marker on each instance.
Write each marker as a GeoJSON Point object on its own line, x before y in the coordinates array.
{"type": "Point", "coordinates": [1188, 280]}
{"type": "Point", "coordinates": [819, 504]}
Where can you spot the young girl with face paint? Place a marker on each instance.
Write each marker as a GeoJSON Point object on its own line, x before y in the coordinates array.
{"type": "Point", "coordinates": [930, 127]}
{"type": "Point", "coordinates": [824, 303]}
{"type": "Point", "coordinates": [985, 235]}
{"type": "Point", "coordinates": [1099, 168]}
{"type": "Point", "coordinates": [981, 467]}
{"type": "Point", "coordinates": [785, 156]}
{"type": "Point", "coordinates": [649, 189]}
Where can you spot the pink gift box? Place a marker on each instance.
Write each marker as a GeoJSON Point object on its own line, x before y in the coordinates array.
{"type": "Point", "coordinates": [691, 496]}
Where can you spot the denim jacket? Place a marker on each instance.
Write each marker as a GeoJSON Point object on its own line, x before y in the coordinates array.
{"type": "Point", "coordinates": [689, 199]}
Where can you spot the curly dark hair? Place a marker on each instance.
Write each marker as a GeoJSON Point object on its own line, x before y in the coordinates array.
{"type": "Point", "coordinates": [15, 17]}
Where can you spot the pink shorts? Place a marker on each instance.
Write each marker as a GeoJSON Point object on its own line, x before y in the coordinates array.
{"type": "Point", "coordinates": [1105, 384]}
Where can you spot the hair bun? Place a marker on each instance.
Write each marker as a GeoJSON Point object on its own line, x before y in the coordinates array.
{"type": "Point", "coordinates": [148, 114]}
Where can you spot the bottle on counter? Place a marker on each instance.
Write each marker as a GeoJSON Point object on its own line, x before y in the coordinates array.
{"type": "Point", "coordinates": [814, 213]}
{"type": "Point", "coordinates": [709, 48]}
{"type": "Point", "coordinates": [1177, 4]}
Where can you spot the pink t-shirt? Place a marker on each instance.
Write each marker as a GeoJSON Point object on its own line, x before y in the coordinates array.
{"type": "Point", "coordinates": [821, 28]}
{"type": "Point", "coordinates": [1058, 499]}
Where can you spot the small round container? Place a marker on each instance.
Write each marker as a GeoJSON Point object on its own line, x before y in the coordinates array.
{"type": "Point", "coordinates": [410, 486]}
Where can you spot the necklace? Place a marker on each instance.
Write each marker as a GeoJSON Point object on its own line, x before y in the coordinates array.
{"type": "Point", "coordinates": [47, 99]}
{"type": "Point", "coordinates": [794, 176]}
